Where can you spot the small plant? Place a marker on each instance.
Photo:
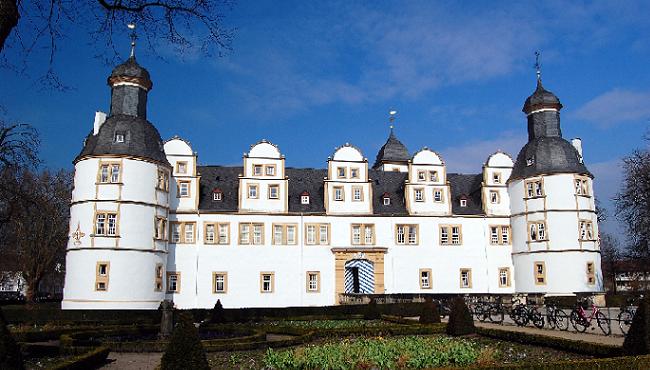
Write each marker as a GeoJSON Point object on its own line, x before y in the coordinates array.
{"type": "Point", "coordinates": [372, 311]}
{"type": "Point", "coordinates": [10, 357]}
{"type": "Point", "coordinates": [184, 350]}
{"type": "Point", "coordinates": [218, 313]}
{"type": "Point", "coordinates": [460, 320]}
{"type": "Point", "coordinates": [430, 313]}
{"type": "Point", "coordinates": [637, 341]}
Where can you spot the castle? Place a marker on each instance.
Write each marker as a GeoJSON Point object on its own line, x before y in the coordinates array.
{"type": "Point", "coordinates": [148, 223]}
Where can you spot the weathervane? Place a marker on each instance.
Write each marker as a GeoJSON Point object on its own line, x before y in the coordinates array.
{"type": "Point", "coordinates": [538, 65]}
{"type": "Point", "coordinates": [391, 118]}
{"type": "Point", "coordinates": [134, 36]}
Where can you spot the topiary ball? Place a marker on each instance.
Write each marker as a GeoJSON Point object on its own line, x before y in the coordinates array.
{"type": "Point", "coordinates": [460, 319]}
{"type": "Point", "coordinates": [184, 350]}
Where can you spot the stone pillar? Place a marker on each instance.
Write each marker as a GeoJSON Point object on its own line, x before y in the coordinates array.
{"type": "Point", "coordinates": [166, 319]}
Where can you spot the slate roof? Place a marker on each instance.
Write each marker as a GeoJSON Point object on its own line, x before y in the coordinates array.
{"type": "Point", "coordinates": [312, 181]}
{"type": "Point", "coordinates": [392, 151]}
{"type": "Point", "coordinates": [131, 68]}
{"type": "Point", "coordinates": [541, 98]}
{"type": "Point", "coordinates": [549, 155]}
{"type": "Point", "coordinates": [142, 139]}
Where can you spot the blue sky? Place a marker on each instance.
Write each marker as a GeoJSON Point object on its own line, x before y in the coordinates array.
{"type": "Point", "coordinates": [310, 76]}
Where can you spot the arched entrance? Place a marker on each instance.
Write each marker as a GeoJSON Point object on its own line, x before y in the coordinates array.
{"type": "Point", "coordinates": [359, 276]}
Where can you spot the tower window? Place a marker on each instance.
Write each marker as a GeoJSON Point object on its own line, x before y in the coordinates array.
{"type": "Point", "coordinates": [504, 277]}
{"type": "Point", "coordinates": [386, 201]}
{"type": "Point", "coordinates": [419, 195]}
{"type": "Point", "coordinates": [496, 178]}
{"type": "Point", "coordinates": [101, 277]}
{"type": "Point", "coordinates": [304, 199]}
{"type": "Point", "coordinates": [463, 202]}
{"type": "Point", "coordinates": [217, 196]}
{"type": "Point", "coordinates": [437, 195]}
{"type": "Point", "coordinates": [537, 231]}
{"type": "Point", "coordinates": [433, 176]}
{"type": "Point", "coordinates": [109, 173]}
{"type": "Point", "coordinates": [540, 273]}
{"type": "Point", "coordinates": [591, 274]}
{"type": "Point", "coordinates": [338, 193]}
{"type": "Point", "coordinates": [119, 136]}
{"type": "Point", "coordinates": [534, 188]}
{"type": "Point", "coordinates": [494, 197]}
{"type": "Point", "coordinates": [274, 191]}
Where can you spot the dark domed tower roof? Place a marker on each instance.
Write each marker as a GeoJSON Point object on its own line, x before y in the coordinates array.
{"type": "Point", "coordinates": [141, 139]}
{"type": "Point", "coordinates": [392, 151]}
{"type": "Point", "coordinates": [546, 151]}
{"type": "Point", "coordinates": [130, 71]}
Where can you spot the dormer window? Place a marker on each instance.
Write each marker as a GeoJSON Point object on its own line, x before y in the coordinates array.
{"type": "Point", "coordinates": [181, 167]}
{"type": "Point", "coordinates": [433, 176]}
{"type": "Point", "coordinates": [257, 170]}
{"type": "Point", "coordinates": [422, 175]}
{"type": "Point", "coordinates": [270, 170]}
{"type": "Point", "coordinates": [463, 202]}
{"type": "Point", "coordinates": [304, 198]}
{"type": "Point", "coordinates": [354, 173]}
{"type": "Point", "coordinates": [386, 199]}
{"type": "Point", "coordinates": [217, 195]}
{"type": "Point", "coordinates": [119, 136]}
{"type": "Point", "coordinates": [340, 172]}
{"type": "Point", "coordinates": [530, 161]}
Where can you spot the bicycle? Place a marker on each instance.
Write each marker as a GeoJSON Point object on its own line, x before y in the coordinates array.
{"type": "Point", "coordinates": [522, 314]}
{"type": "Point", "coordinates": [556, 317]}
{"type": "Point", "coordinates": [581, 321]}
{"type": "Point", "coordinates": [626, 316]}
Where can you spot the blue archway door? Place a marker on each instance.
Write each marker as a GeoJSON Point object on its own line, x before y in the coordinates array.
{"type": "Point", "coordinates": [359, 276]}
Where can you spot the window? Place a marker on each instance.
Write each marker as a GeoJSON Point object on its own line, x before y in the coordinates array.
{"type": "Point", "coordinates": [450, 234]}
{"type": "Point", "coordinates": [386, 201]}
{"type": "Point", "coordinates": [101, 276]}
{"type": "Point", "coordinates": [209, 233]}
{"type": "Point", "coordinates": [504, 277]}
{"type": "Point", "coordinates": [419, 194]}
{"type": "Point", "coordinates": [406, 234]}
{"type": "Point", "coordinates": [433, 176]}
{"type": "Point", "coordinates": [591, 274]}
{"type": "Point", "coordinates": [223, 233]}
{"type": "Point", "coordinates": [267, 282]}
{"type": "Point", "coordinates": [158, 278]}
{"type": "Point", "coordinates": [219, 282]}
{"type": "Point", "coordinates": [163, 180]}
{"type": "Point", "coordinates": [354, 173]}
{"type": "Point", "coordinates": [183, 232]}
{"type": "Point", "coordinates": [183, 189]}
{"type": "Point", "coordinates": [270, 169]}
{"type": "Point", "coordinates": [304, 199]}
{"type": "Point", "coordinates": [217, 196]}
{"type": "Point", "coordinates": [422, 175]}
{"type": "Point", "coordinates": [106, 224]}
{"type": "Point", "coordinates": [339, 195]}
{"type": "Point", "coordinates": [160, 228]}
{"type": "Point", "coordinates": [257, 169]}
{"type": "Point", "coordinates": [109, 173]}
{"type": "Point", "coordinates": [181, 167]}
{"type": "Point", "coordinates": [463, 202]}
{"type": "Point", "coordinates": [340, 172]}
{"type": "Point", "coordinates": [317, 234]}
{"type": "Point", "coordinates": [284, 234]}
{"type": "Point", "coordinates": [586, 230]}
{"type": "Point", "coordinates": [173, 282]}
{"type": "Point", "coordinates": [357, 193]}
{"type": "Point", "coordinates": [537, 231]}
{"type": "Point", "coordinates": [530, 161]}
{"type": "Point", "coordinates": [499, 234]}
{"type": "Point", "coordinates": [119, 136]}
{"type": "Point", "coordinates": [437, 195]}
{"type": "Point", "coordinates": [313, 281]}
{"type": "Point", "coordinates": [465, 278]}
{"type": "Point", "coordinates": [274, 191]}
{"type": "Point", "coordinates": [540, 273]}
{"type": "Point", "coordinates": [582, 186]}
{"type": "Point", "coordinates": [496, 177]}
{"type": "Point", "coordinates": [534, 188]}
{"type": "Point", "coordinates": [251, 233]}
{"type": "Point", "coordinates": [252, 191]}
{"type": "Point", "coordinates": [363, 234]}
{"type": "Point", "coordinates": [425, 278]}
{"type": "Point", "coordinates": [494, 197]}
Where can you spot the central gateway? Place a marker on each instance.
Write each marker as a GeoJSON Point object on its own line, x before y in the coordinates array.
{"type": "Point", "coordinates": [359, 270]}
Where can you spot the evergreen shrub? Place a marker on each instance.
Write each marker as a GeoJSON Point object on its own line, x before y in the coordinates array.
{"type": "Point", "coordinates": [430, 313]}
{"type": "Point", "coordinates": [10, 357]}
{"type": "Point", "coordinates": [637, 341]}
{"type": "Point", "coordinates": [460, 320]}
{"type": "Point", "coordinates": [184, 350]}
{"type": "Point", "coordinates": [218, 313]}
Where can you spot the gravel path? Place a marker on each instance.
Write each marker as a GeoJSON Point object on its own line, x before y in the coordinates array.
{"type": "Point", "coordinates": [133, 361]}
{"type": "Point", "coordinates": [587, 337]}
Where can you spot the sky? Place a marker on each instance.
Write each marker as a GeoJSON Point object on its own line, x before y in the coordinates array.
{"type": "Point", "coordinates": [311, 76]}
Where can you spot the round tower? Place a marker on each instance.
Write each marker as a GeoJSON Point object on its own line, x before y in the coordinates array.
{"type": "Point", "coordinates": [117, 252]}
{"type": "Point", "coordinates": [555, 232]}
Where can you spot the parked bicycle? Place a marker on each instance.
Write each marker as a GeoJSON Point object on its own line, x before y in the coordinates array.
{"type": "Point", "coordinates": [626, 315]}
{"type": "Point", "coordinates": [556, 317]}
{"type": "Point", "coordinates": [489, 311]}
{"type": "Point", "coordinates": [522, 314]}
{"type": "Point", "coordinates": [581, 320]}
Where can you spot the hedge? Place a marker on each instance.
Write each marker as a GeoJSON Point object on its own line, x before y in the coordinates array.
{"type": "Point", "coordinates": [577, 346]}
{"type": "Point", "coordinates": [614, 363]}
{"type": "Point", "coordinates": [89, 360]}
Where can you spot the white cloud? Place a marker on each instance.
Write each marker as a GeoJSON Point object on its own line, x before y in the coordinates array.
{"type": "Point", "coordinates": [615, 107]}
{"type": "Point", "coordinates": [470, 157]}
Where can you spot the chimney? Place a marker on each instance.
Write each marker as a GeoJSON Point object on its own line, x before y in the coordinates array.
{"type": "Point", "coordinates": [100, 118]}
{"type": "Point", "coordinates": [577, 143]}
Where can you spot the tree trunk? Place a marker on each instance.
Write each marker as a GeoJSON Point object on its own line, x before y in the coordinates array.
{"type": "Point", "coordinates": [32, 290]}
{"type": "Point", "coordinates": [8, 19]}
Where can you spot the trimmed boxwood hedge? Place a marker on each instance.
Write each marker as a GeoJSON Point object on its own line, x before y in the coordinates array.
{"type": "Point", "coordinates": [88, 360]}
{"type": "Point", "coordinates": [577, 346]}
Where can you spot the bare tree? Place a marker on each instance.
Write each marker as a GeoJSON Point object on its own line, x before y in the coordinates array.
{"type": "Point", "coordinates": [611, 257]}
{"type": "Point", "coordinates": [182, 24]}
{"type": "Point", "coordinates": [36, 236]}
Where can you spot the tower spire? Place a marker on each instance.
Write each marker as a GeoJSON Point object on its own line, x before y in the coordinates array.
{"type": "Point", "coordinates": [391, 119]}
{"type": "Point", "coordinates": [134, 37]}
{"type": "Point", "coordinates": [538, 66]}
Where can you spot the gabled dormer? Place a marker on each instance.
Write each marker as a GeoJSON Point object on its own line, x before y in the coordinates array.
{"type": "Point", "coordinates": [263, 185]}
{"type": "Point", "coordinates": [347, 187]}
{"type": "Point", "coordinates": [426, 190]}
{"type": "Point", "coordinates": [184, 180]}
{"type": "Point", "coordinates": [494, 190]}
